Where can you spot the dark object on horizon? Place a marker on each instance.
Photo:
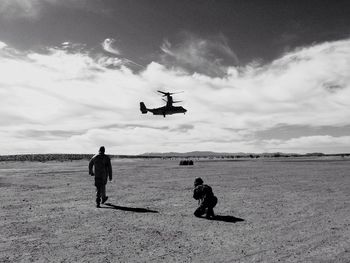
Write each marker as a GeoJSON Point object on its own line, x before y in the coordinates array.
{"type": "Point", "coordinates": [168, 109]}
{"type": "Point", "coordinates": [206, 199]}
{"type": "Point", "coordinates": [100, 167]}
{"type": "Point", "coordinates": [131, 209]}
{"type": "Point", "coordinates": [186, 162]}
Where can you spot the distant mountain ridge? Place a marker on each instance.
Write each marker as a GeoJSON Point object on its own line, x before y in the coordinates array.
{"type": "Point", "coordinates": [193, 153]}
{"type": "Point", "coordinates": [237, 154]}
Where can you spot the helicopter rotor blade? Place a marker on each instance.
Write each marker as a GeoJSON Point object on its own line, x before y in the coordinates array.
{"type": "Point", "coordinates": [169, 93]}
{"type": "Point", "coordinates": [164, 93]}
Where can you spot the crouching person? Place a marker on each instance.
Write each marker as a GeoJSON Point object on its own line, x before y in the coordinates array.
{"type": "Point", "coordinates": [206, 199]}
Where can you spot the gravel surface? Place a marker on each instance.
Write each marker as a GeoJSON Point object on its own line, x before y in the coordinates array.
{"type": "Point", "coordinates": [276, 210]}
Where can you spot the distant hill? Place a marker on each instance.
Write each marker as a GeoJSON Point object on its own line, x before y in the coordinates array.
{"type": "Point", "coordinates": [45, 157]}
{"type": "Point", "coordinates": [208, 154]}
{"type": "Point", "coordinates": [211, 154]}
{"type": "Point", "coordinates": [193, 153]}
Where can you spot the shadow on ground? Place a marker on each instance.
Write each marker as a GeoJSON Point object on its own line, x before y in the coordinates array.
{"type": "Point", "coordinates": [229, 219]}
{"type": "Point", "coordinates": [131, 209]}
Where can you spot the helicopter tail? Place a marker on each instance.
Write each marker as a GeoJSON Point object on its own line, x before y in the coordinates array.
{"type": "Point", "coordinates": [143, 108]}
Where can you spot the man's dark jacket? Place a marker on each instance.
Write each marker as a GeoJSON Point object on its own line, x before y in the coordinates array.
{"type": "Point", "coordinates": [204, 194]}
{"type": "Point", "coordinates": [103, 168]}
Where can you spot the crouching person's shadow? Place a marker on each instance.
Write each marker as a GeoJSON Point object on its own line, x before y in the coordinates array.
{"type": "Point", "coordinates": [131, 209]}
{"type": "Point", "coordinates": [229, 219]}
{"type": "Point", "coordinates": [208, 213]}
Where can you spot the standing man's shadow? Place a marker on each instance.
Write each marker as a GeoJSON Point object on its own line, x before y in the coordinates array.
{"type": "Point", "coordinates": [131, 209]}
{"type": "Point", "coordinates": [229, 219]}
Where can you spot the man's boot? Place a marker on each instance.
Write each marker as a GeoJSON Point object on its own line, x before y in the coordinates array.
{"type": "Point", "coordinates": [104, 199]}
{"type": "Point", "coordinates": [210, 213]}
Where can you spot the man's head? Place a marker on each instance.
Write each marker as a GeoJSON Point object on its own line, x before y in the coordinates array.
{"type": "Point", "coordinates": [101, 150]}
{"type": "Point", "coordinates": [198, 181]}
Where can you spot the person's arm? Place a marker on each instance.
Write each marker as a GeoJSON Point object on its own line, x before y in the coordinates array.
{"type": "Point", "coordinates": [91, 164]}
{"type": "Point", "coordinates": [109, 169]}
{"type": "Point", "coordinates": [196, 193]}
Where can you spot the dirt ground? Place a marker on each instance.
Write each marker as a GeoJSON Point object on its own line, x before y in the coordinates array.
{"type": "Point", "coordinates": [277, 210]}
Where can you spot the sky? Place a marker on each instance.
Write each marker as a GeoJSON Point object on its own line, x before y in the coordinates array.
{"type": "Point", "coordinates": [254, 76]}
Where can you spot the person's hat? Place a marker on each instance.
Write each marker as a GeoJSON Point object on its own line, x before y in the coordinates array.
{"type": "Point", "coordinates": [198, 181]}
{"type": "Point", "coordinates": [102, 149]}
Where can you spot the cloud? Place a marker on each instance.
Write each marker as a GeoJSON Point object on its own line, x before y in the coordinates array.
{"type": "Point", "coordinates": [134, 126]}
{"type": "Point", "coordinates": [32, 9]}
{"type": "Point", "coordinates": [287, 132]}
{"type": "Point", "coordinates": [309, 144]}
{"type": "Point", "coordinates": [183, 128]}
{"type": "Point", "coordinates": [12, 9]}
{"type": "Point", "coordinates": [68, 99]}
{"type": "Point", "coordinates": [19, 8]}
{"type": "Point", "coordinates": [46, 134]}
{"type": "Point", "coordinates": [109, 46]}
{"type": "Point", "coordinates": [2, 45]}
{"type": "Point", "coordinates": [207, 56]}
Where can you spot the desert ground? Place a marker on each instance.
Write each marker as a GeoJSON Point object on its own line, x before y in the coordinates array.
{"type": "Point", "coordinates": [269, 210]}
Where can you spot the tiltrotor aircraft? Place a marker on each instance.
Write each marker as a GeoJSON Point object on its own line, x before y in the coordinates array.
{"type": "Point", "coordinates": [168, 109]}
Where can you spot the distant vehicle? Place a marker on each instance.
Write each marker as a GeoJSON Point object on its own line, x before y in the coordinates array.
{"type": "Point", "coordinates": [168, 109]}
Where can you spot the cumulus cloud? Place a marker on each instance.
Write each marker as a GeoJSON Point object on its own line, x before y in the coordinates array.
{"type": "Point", "coordinates": [69, 100]}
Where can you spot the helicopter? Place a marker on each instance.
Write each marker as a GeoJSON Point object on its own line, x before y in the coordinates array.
{"type": "Point", "coordinates": [168, 109]}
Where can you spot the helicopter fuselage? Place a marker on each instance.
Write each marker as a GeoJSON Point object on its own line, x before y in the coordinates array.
{"type": "Point", "coordinates": [168, 109]}
{"type": "Point", "coordinates": [165, 110]}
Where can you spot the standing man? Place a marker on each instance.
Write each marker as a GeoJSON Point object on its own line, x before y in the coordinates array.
{"type": "Point", "coordinates": [103, 169]}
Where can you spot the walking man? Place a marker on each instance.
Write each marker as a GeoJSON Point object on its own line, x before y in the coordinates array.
{"type": "Point", "coordinates": [102, 169]}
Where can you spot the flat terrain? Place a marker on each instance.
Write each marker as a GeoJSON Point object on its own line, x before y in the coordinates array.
{"type": "Point", "coordinates": [276, 210]}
